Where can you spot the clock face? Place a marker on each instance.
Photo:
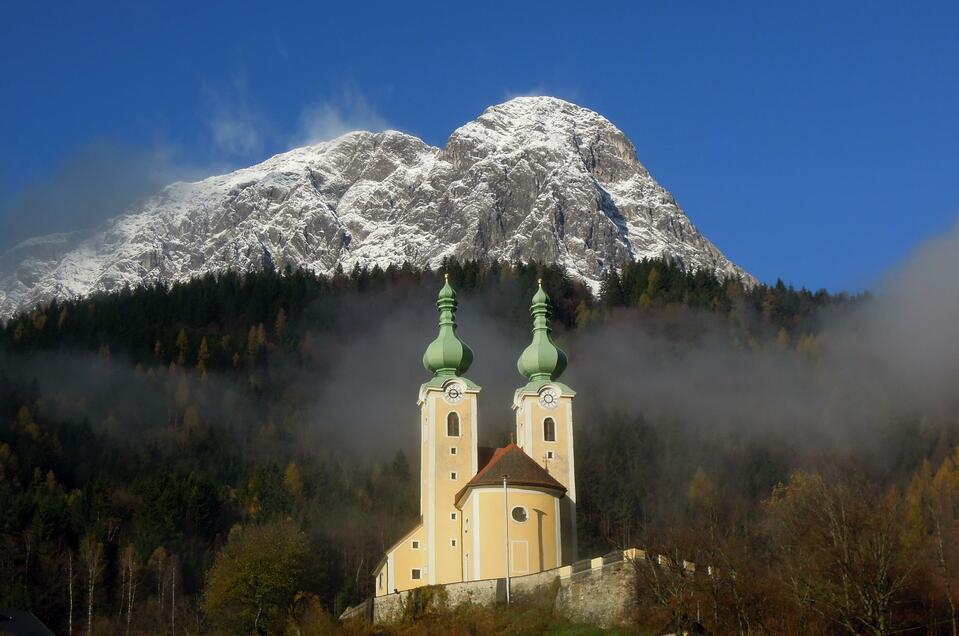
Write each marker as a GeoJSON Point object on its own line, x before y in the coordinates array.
{"type": "Point", "coordinates": [548, 399]}
{"type": "Point", "coordinates": [453, 394]}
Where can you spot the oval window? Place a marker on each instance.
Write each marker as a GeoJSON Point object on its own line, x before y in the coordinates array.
{"type": "Point", "coordinates": [519, 514]}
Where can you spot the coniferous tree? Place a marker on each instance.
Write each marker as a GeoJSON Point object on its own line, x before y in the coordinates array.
{"type": "Point", "coordinates": [611, 289]}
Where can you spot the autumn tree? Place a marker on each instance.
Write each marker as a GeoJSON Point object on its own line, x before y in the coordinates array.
{"type": "Point", "coordinates": [91, 554]}
{"type": "Point", "coordinates": [280, 327]}
{"type": "Point", "coordinates": [839, 544]}
{"type": "Point", "coordinates": [255, 578]}
{"type": "Point", "coordinates": [933, 500]}
{"type": "Point", "coordinates": [293, 480]}
{"type": "Point", "coordinates": [182, 346]}
{"type": "Point", "coordinates": [130, 567]}
{"type": "Point", "coordinates": [202, 356]}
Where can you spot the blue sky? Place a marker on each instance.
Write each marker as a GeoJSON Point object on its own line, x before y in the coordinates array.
{"type": "Point", "coordinates": [816, 142]}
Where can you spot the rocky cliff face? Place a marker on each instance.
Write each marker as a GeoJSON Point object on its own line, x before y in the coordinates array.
{"type": "Point", "coordinates": [534, 178]}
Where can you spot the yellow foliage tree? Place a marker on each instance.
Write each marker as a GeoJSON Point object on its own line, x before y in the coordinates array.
{"type": "Point", "coordinates": [202, 356]}
{"type": "Point", "coordinates": [255, 578]}
{"type": "Point", "coordinates": [293, 480]}
{"type": "Point", "coordinates": [933, 507]}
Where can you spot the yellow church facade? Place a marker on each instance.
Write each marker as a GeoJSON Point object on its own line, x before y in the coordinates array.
{"type": "Point", "coordinates": [484, 512]}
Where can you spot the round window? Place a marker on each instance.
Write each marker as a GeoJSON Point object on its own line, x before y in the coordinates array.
{"type": "Point", "coordinates": [519, 514]}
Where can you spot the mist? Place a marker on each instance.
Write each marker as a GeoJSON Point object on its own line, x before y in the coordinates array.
{"type": "Point", "coordinates": [105, 179]}
{"type": "Point", "coordinates": [890, 358]}
{"type": "Point", "coordinates": [101, 181]}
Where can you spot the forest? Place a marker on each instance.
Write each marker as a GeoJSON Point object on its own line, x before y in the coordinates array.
{"type": "Point", "coordinates": [234, 453]}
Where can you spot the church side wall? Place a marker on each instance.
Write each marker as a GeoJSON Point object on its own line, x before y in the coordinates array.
{"type": "Point", "coordinates": [403, 559]}
{"type": "Point", "coordinates": [533, 543]}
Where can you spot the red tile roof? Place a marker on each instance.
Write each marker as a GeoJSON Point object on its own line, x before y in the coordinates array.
{"type": "Point", "coordinates": [519, 468]}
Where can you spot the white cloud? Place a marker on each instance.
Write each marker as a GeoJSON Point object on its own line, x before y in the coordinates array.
{"type": "Point", "coordinates": [236, 126]}
{"type": "Point", "coordinates": [332, 118]}
{"type": "Point", "coordinates": [235, 136]}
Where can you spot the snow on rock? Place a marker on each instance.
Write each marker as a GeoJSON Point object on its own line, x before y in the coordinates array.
{"type": "Point", "coordinates": [533, 178]}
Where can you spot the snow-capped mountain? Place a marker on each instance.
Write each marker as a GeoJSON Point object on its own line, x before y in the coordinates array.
{"type": "Point", "coordinates": [533, 178]}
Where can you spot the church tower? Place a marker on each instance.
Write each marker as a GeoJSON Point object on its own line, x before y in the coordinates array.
{"type": "Point", "coordinates": [448, 445]}
{"type": "Point", "coordinates": [488, 513]}
{"type": "Point", "coordinates": [544, 415]}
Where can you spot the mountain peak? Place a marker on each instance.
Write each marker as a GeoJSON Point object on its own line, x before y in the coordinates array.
{"type": "Point", "coordinates": [540, 103]}
{"type": "Point", "coordinates": [531, 178]}
{"type": "Point", "coordinates": [544, 112]}
{"type": "Point", "coordinates": [541, 113]}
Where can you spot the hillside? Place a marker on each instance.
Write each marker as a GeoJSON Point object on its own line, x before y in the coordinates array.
{"type": "Point", "coordinates": [170, 435]}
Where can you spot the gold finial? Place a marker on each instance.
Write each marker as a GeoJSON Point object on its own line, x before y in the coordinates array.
{"type": "Point", "coordinates": [539, 281]}
{"type": "Point", "coordinates": [446, 277]}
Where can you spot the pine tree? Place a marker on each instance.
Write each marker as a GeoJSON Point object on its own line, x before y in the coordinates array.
{"type": "Point", "coordinates": [611, 289]}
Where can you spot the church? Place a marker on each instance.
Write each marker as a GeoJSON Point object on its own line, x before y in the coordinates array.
{"type": "Point", "coordinates": [489, 513]}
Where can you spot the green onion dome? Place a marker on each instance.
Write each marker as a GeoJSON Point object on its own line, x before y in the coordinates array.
{"type": "Point", "coordinates": [447, 355]}
{"type": "Point", "coordinates": [541, 360]}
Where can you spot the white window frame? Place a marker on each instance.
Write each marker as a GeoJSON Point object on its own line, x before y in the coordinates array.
{"type": "Point", "coordinates": [525, 512]}
{"type": "Point", "coordinates": [416, 574]}
{"type": "Point", "coordinates": [415, 544]}
{"type": "Point", "coordinates": [453, 475]}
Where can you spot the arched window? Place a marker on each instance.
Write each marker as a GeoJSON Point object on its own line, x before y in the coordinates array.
{"type": "Point", "coordinates": [453, 425]}
{"type": "Point", "coordinates": [549, 430]}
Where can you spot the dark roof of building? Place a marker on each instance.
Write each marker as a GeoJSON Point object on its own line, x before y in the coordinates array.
{"type": "Point", "coordinates": [21, 623]}
{"type": "Point", "coordinates": [516, 465]}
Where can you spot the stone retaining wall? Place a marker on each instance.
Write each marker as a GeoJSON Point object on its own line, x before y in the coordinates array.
{"type": "Point", "coordinates": [598, 591]}
{"type": "Point", "coordinates": [363, 611]}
